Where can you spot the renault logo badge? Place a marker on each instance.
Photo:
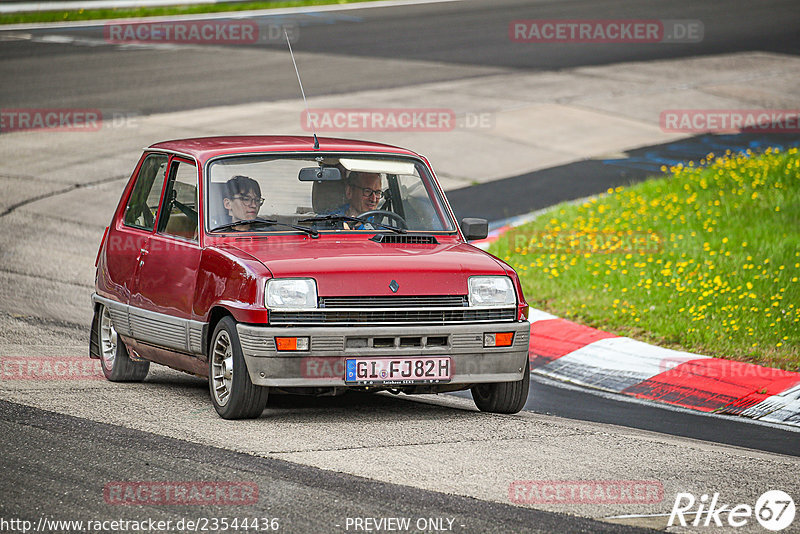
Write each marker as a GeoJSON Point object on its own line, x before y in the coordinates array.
{"type": "Point", "coordinates": [394, 286]}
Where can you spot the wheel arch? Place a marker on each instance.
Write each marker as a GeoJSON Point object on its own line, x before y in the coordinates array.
{"type": "Point", "coordinates": [215, 315]}
{"type": "Point", "coordinates": [94, 341]}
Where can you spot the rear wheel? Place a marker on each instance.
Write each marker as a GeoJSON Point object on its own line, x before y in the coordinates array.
{"type": "Point", "coordinates": [233, 393]}
{"type": "Point", "coordinates": [503, 397]}
{"type": "Point", "coordinates": [116, 363]}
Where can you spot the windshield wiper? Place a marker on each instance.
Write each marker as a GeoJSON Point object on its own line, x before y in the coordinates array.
{"type": "Point", "coordinates": [266, 222]}
{"type": "Point", "coordinates": [355, 220]}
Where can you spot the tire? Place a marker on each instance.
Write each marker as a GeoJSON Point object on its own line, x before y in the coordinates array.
{"type": "Point", "coordinates": [114, 358]}
{"type": "Point", "coordinates": [232, 392]}
{"type": "Point", "coordinates": [503, 397]}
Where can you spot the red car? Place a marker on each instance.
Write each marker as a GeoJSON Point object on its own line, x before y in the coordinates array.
{"type": "Point", "coordinates": [303, 266]}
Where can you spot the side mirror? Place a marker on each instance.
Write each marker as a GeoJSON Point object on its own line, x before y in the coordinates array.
{"type": "Point", "coordinates": [320, 174]}
{"type": "Point", "coordinates": [473, 228]}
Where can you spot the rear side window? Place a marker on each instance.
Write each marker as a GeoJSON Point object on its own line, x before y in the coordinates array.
{"type": "Point", "coordinates": [142, 208]}
{"type": "Point", "coordinates": [179, 215]}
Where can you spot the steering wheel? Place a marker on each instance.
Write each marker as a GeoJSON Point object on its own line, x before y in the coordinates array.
{"type": "Point", "coordinates": [392, 216]}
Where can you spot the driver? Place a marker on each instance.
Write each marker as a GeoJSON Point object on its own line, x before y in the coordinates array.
{"type": "Point", "coordinates": [363, 192]}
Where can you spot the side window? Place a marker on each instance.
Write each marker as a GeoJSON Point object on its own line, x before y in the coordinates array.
{"type": "Point", "coordinates": [142, 207]}
{"type": "Point", "coordinates": [179, 215]}
{"type": "Point", "coordinates": [419, 210]}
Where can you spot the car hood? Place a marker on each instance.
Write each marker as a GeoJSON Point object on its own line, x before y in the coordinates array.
{"type": "Point", "coordinates": [366, 268]}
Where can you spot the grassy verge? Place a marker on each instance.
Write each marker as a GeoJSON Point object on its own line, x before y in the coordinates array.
{"type": "Point", "coordinates": [705, 260]}
{"type": "Point", "coordinates": [99, 14]}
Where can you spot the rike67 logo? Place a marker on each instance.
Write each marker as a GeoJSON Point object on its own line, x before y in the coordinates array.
{"type": "Point", "coordinates": [774, 510]}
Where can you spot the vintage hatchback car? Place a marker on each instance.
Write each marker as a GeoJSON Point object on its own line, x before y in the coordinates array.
{"type": "Point", "coordinates": [287, 264]}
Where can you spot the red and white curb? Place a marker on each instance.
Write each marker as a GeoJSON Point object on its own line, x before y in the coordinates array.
{"type": "Point", "coordinates": [588, 357]}
{"type": "Point", "coordinates": [592, 358]}
{"type": "Point", "coordinates": [493, 236]}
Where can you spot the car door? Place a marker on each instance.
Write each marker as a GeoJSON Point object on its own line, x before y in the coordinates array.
{"type": "Point", "coordinates": [128, 235]}
{"type": "Point", "coordinates": [161, 304]}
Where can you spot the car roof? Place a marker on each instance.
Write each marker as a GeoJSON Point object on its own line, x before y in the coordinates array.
{"type": "Point", "coordinates": [204, 148]}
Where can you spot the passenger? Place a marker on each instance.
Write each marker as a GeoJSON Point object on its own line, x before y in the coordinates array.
{"type": "Point", "coordinates": [242, 198]}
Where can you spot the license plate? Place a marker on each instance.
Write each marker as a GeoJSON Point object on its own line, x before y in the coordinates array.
{"type": "Point", "coordinates": [369, 371]}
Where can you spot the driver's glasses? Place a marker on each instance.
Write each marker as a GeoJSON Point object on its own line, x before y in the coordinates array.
{"type": "Point", "coordinates": [253, 201]}
{"type": "Point", "coordinates": [367, 192]}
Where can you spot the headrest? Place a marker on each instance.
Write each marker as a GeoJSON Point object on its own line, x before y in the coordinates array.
{"type": "Point", "coordinates": [327, 196]}
{"type": "Point", "coordinates": [217, 214]}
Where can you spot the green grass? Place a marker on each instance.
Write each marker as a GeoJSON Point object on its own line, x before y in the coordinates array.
{"type": "Point", "coordinates": [99, 14]}
{"type": "Point", "coordinates": [706, 259]}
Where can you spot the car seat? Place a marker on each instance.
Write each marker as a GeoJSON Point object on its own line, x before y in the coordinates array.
{"type": "Point", "coordinates": [217, 214]}
{"type": "Point", "coordinates": [327, 196]}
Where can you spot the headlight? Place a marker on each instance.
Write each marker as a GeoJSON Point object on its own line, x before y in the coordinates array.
{"type": "Point", "coordinates": [491, 291]}
{"type": "Point", "coordinates": [290, 293]}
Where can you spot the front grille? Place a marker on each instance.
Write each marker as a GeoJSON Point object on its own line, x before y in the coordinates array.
{"type": "Point", "coordinates": [415, 316]}
{"type": "Point", "coordinates": [445, 301]}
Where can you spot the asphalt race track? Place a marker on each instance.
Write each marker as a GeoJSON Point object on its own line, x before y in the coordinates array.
{"type": "Point", "coordinates": [364, 49]}
{"type": "Point", "coordinates": [302, 498]}
{"type": "Point", "coordinates": [539, 189]}
{"type": "Point", "coordinates": [320, 463]}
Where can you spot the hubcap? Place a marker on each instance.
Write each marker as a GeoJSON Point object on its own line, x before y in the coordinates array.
{"type": "Point", "coordinates": [108, 340]}
{"type": "Point", "coordinates": [222, 368]}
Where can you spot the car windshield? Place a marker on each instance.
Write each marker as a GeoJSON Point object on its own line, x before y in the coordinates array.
{"type": "Point", "coordinates": [325, 193]}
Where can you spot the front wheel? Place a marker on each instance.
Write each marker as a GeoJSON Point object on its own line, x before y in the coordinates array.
{"type": "Point", "coordinates": [503, 397]}
{"type": "Point", "coordinates": [233, 393]}
{"type": "Point", "coordinates": [115, 361]}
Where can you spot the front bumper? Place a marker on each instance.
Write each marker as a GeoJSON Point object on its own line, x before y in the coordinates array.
{"type": "Point", "coordinates": [323, 365]}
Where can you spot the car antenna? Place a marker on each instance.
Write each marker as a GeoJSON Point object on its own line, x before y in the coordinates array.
{"type": "Point", "coordinates": [308, 112]}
